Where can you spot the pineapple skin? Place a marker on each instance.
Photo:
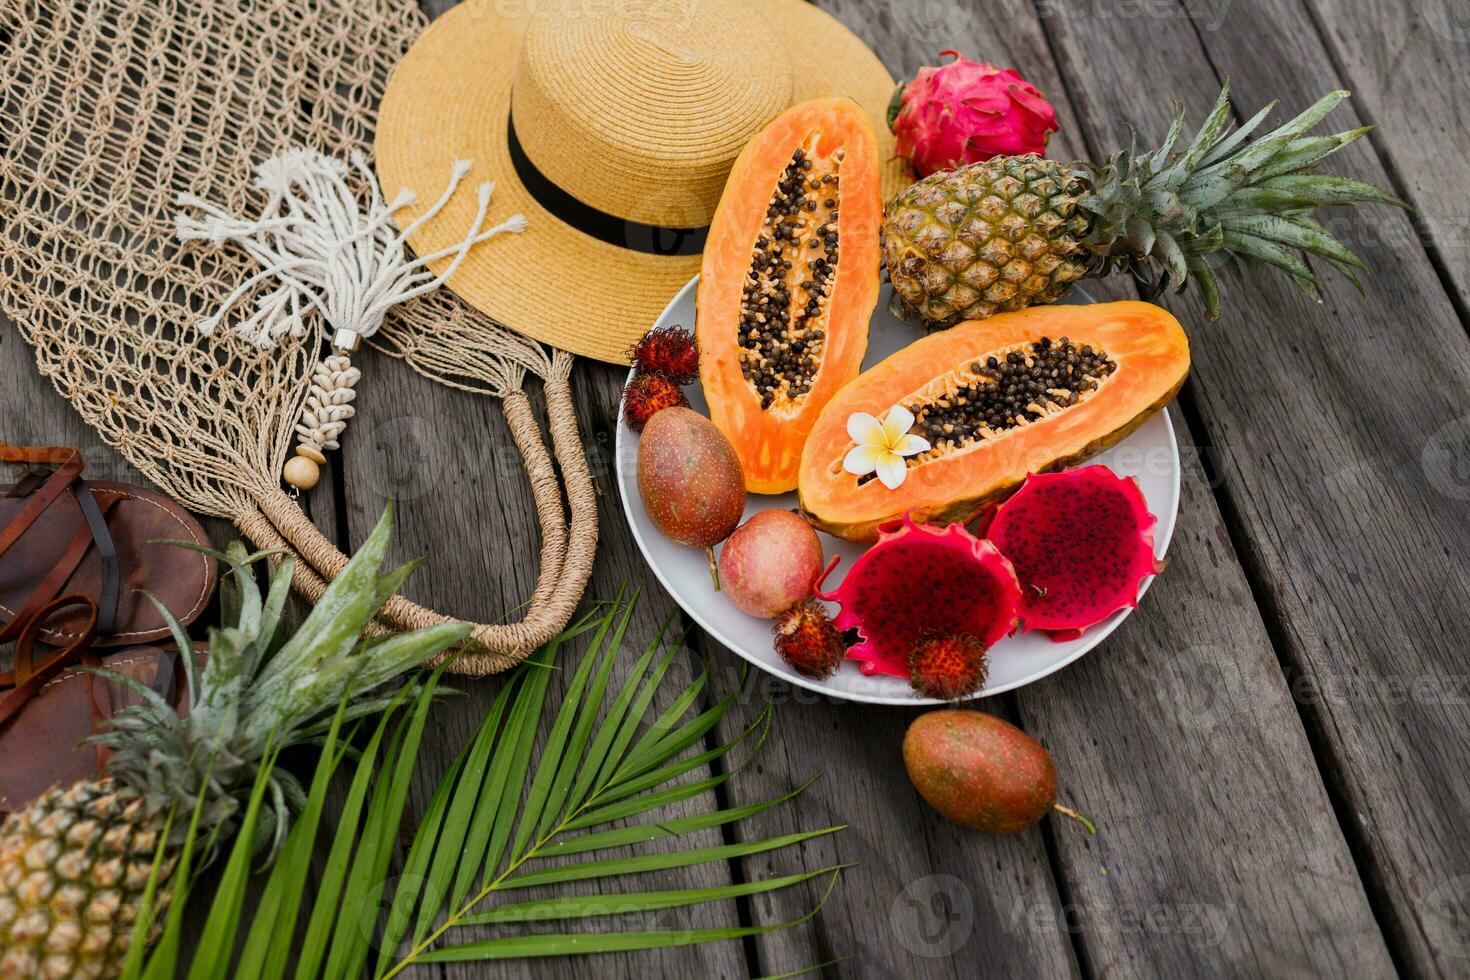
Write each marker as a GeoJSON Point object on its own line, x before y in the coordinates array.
{"type": "Point", "coordinates": [74, 866]}
{"type": "Point", "coordinates": [986, 238]}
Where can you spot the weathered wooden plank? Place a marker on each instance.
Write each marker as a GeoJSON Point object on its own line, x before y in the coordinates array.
{"type": "Point", "coordinates": [463, 501]}
{"type": "Point", "coordinates": [1088, 721]}
{"type": "Point", "coordinates": [1345, 492]}
{"type": "Point", "coordinates": [1406, 66]}
{"type": "Point", "coordinates": [924, 897]}
{"type": "Point", "coordinates": [1217, 851]}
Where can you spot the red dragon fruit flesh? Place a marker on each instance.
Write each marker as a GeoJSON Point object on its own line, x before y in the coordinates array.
{"type": "Point", "coordinates": [967, 111]}
{"type": "Point", "coordinates": [1081, 542]}
{"type": "Point", "coordinates": [918, 580]}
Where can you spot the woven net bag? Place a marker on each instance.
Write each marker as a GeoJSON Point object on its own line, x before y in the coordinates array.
{"type": "Point", "coordinates": [109, 110]}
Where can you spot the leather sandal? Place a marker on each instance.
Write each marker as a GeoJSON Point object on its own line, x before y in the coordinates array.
{"type": "Point", "coordinates": [55, 701]}
{"type": "Point", "coordinates": [63, 535]}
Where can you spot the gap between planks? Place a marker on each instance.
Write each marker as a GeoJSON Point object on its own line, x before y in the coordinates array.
{"type": "Point", "coordinates": [1329, 768]}
{"type": "Point", "coordinates": [1343, 773]}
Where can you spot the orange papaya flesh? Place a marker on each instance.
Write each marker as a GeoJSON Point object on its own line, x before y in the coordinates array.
{"type": "Point", "coordinates": [1026, 392]}
{"type": "Point", "coordinates": [788, 283]}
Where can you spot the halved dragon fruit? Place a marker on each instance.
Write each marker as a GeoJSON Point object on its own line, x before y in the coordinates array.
{"type": "Point", "coordinates": [920, 580]}
{"type": "Point", "coordinates": [1081, 542]}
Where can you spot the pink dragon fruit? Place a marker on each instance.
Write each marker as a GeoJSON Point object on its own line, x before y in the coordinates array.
{"type": "Point", "coordinates": [918, 581]}
{"type": "Point", "coordinates": [1081, 542]}
{"type": "Point", "coordinates": [967, 111]}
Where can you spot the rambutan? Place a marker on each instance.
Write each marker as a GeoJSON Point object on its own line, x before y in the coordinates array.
{"type": "Point", "coordinates": [948, 666]}
{"type": "Point", "coordinates": [808, 642]}
{"type": "Point", "coordinates": [647, 394]}
{"type": "Point", "coordinates": [670, 351]}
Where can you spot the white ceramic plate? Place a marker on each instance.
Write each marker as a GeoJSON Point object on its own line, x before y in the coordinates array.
{"type": "Point", "coordinates": [1150, 454]}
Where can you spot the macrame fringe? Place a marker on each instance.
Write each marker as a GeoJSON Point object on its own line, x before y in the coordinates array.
{"type": "Point", "coordinates": [330, 256]}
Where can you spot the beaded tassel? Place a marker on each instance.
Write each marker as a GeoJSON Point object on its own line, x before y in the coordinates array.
{"type": "Point", "coordinates": [329, 255]}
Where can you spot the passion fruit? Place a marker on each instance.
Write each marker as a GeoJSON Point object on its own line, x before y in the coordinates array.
{"type": "Point", "coordinates": [770, 563]}
{"type": "Point", "coordinates": [982, 771]}
{"type": "Point", "coordinates": [690, 480]}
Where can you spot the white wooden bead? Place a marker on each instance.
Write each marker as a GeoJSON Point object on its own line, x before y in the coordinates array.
{"type": "Point", "coordinates": [302, 473]}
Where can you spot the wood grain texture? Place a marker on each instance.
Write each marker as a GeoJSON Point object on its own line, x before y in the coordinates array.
{"type": "Point", "coordinates": [925, 897]}
{"type": "Point", "coordinates": [1217, 850]}
{"type": "Point", "coordinates": [1406, 66]}
{"type": "Point", "coordinates": [1346, 498]}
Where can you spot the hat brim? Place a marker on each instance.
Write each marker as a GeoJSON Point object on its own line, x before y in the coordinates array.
{"type": "Point", "coordinates": [449, 99]}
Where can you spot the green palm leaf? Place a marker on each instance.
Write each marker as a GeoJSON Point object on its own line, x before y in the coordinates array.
{"type": "Point", "coordinates": [644, 832]}
{"type": "Point", "coordinates": [626, 903]}
{"type": "Point", "coordinates": [280, 903]}
{"type": "Point", "coordinates": [219, 928]}
{"type": "Point", "coordinates": [503, 808]}
{"type": "Point", "coordinates": [606, 942]}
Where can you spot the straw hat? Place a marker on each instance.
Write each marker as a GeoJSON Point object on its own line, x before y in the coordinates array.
{"type": "Point", "coordinates": [611, 125]}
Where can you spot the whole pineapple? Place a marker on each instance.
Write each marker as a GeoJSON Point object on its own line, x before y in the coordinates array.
{"type": "Point", "coordinates": [74, 865]}
{"type": "Point", "coordinates": [1014, 231]}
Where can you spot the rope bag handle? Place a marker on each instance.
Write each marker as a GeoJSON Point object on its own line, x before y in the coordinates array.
{"type": "Point", "coordinates": [567, 551]}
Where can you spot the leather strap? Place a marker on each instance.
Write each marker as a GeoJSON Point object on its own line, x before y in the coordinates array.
{"type": "Point", "coordinates": [29, 679]}
{"type": "Point", "coordinates": [106, 551]}
{"type": "Point", "coordinates": [26, 485]}
{"type": "Point", "coordinates": [69, 467]}
{"type": "Point", "coordinates": [69, 463]}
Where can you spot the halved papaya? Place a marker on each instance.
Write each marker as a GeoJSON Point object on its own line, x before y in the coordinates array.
{"type": "Point", "coordinates": [1018, 393]}
{"type": "Point", "coordinates": [788, 283]}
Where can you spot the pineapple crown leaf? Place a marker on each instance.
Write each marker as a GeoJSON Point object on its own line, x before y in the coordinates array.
{"type": "Point", "coordinates": [260, 690]}
{"type": "Point", "coordinates": [153, 701]}
{"type": "Point", "coordinates": [1209, 134]}
{"type": "Point", "coordinates": [1160, 214]}
{"type": "Point", "coordinates": [180, 637]}
{"type": "Point", "coordinates": [1227, 144]}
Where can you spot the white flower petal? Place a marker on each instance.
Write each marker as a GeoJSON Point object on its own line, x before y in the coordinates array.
{"type": "Point", "coordinates": [864, 429]}
{"type": "Point", "coordinates": [911, 445]}
{"type": "Point", "coordinates": [892, 470]}
{"type": "Point", "coordinates": [898, 422]}
{"type": "Point", "coordinates": [863, 460]}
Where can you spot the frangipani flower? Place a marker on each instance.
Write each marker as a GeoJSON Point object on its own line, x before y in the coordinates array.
{"type": "Point", "coordinates": [881, 446]}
